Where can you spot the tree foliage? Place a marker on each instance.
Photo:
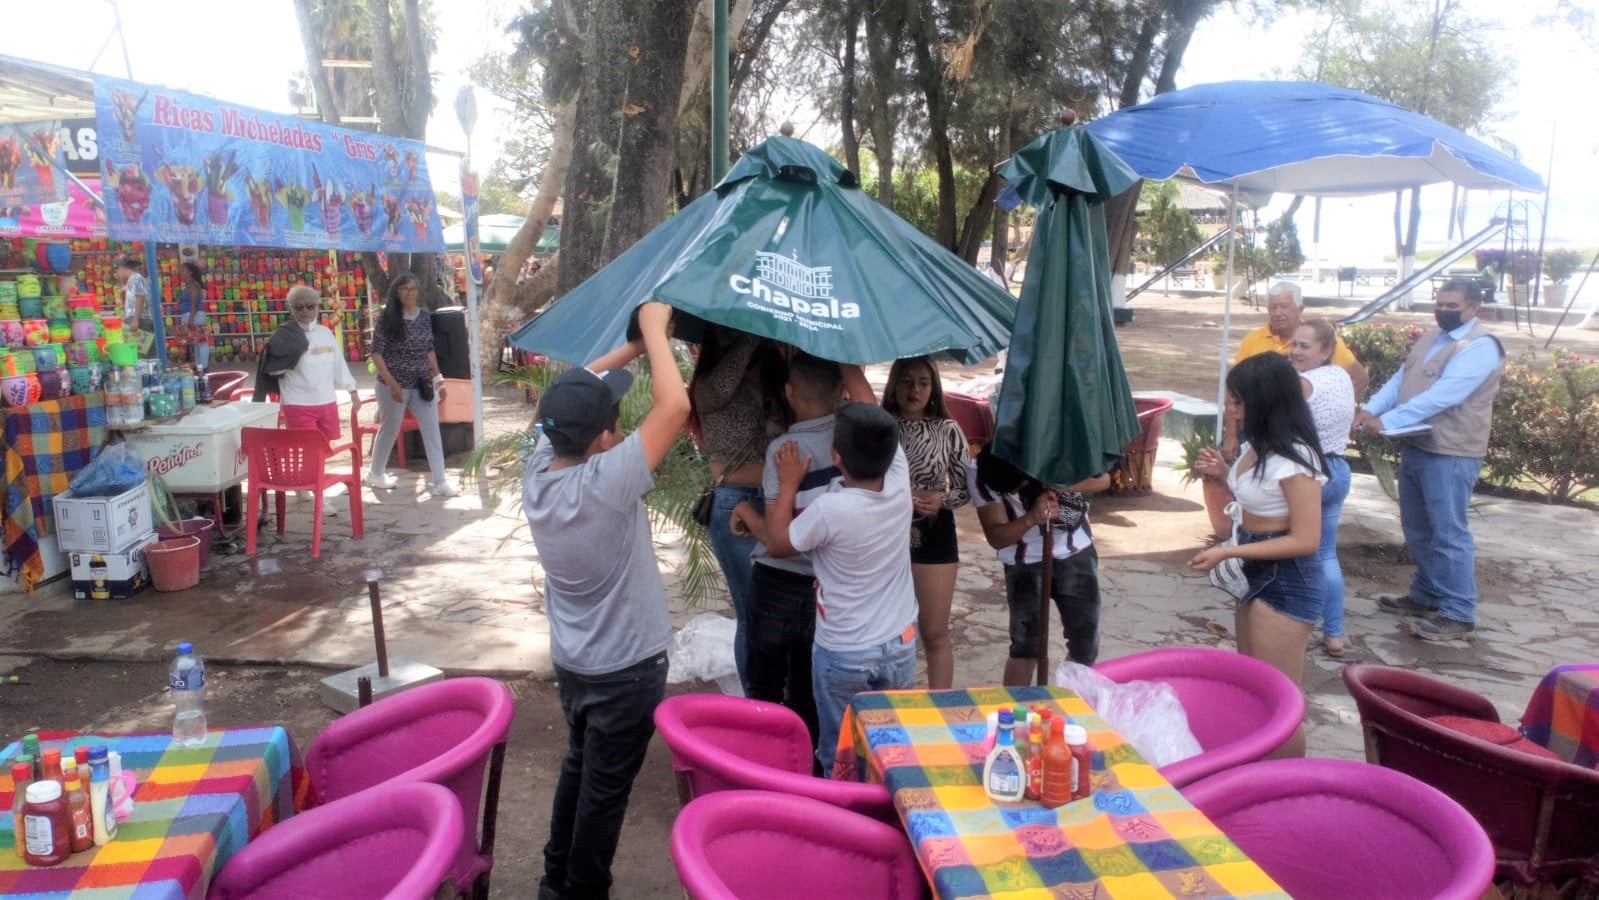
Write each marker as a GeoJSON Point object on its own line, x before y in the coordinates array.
{"type": "Point", "coordinates": [1168, 231]}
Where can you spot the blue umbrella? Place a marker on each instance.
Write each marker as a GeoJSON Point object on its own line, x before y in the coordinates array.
{"type": "Point", "coordinates": [1300, 137]}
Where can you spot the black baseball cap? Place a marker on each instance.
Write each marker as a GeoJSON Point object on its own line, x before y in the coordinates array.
{"type": "Point", "coordinates": [579, 405]}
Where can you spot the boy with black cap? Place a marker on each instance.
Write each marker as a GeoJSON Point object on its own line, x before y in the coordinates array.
{"type": "Point", "coordinates": [582, 491]}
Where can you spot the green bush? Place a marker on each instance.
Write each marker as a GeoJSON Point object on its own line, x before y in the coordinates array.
{"type": "Point", "coordinates": [1545, 420]}
{"type": "Point", "coordinates": [1560, 265]}
{"type": "Point", "coordinates": [1546, 427]}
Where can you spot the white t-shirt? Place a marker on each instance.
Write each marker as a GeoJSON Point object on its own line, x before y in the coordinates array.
{"type": "Point", "coordinates": [1263, 495]}
{"type": "Point", "coordinates": [1073, 533]}
{"type": "Point", "coordinates": [136, 286]}
{"type": "Point", "coordinates": [1332, 406]}
{"type": "Point", "coordinates": [319, 373]}
{"type": "Point", "coordinates": [856, 541]}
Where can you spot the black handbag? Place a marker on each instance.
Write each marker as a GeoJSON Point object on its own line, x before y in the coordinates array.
{"type": "Point", "coordinates": [424, 389]}
{"type": "Point", "coordinates": [706, 502]}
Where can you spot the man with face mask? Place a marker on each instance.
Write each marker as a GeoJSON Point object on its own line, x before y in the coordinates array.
{"type": "Point", "coordinates": [303, 357]}
{"type": "Point", "coordinates": [1447, 383]}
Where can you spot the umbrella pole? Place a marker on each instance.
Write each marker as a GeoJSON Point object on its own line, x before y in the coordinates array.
{"type": "Point", "coordinates": [1045, 589]}
{"type": "Point", "coordinates": [1226, 310]}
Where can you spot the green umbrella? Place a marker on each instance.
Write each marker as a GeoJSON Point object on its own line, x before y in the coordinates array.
{"type": "Point", "coordinates": [789, 247]}
{"type": "Point", "coordinates": [1065, 410]}
{"type": "Point", "coordinates": [494, 234]}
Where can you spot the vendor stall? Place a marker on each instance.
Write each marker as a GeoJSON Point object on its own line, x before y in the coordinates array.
{"type": "Point", "coordinates": [260, 201]}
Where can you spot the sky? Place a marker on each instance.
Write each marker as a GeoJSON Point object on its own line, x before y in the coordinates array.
{"type": "Point", "coordinates": [166, 46]}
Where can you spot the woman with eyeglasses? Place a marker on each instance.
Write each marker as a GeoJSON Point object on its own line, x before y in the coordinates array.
{"type": "Point", "coordinates": [307, 384]}
{"type": "Point", "coordinates": [408, 379]}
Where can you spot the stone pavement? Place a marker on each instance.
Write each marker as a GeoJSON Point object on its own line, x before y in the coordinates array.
{"type": "Point", "coordinates": [460, 589]}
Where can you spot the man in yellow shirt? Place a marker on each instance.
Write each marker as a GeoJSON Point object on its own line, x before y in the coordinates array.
{"type": "Point", "coordinates": [1285, 306]}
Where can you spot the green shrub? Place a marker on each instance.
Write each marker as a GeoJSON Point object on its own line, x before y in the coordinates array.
{"type": "Point", "coordinates": [1560, 265]}
{"type": "Point", "coordinates": [1546, 427]}
{"type": "Point", "coordinates": [1381, 349]}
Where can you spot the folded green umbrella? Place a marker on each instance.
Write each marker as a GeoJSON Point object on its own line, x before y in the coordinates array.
{"type": "Point", "coordinates": [789, 247]}
{"type": "Point", "coordinates": [1065, 410]}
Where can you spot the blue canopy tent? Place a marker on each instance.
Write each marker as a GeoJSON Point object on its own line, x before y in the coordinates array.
{"type": "Point", "coordinates": [1263, 137]}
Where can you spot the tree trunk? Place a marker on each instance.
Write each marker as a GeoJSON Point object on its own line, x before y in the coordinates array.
{"type": "Point", "coordinates": [505, 291]}
{"type": "Point", "coordinates": [846, 99]}
{"type": "Point", "coordinates": [386, 77]}
{"type": "Point", "coordinates": [1138, 63]}
{"type": "Point", "coordinates": [882, 51]}
{"type": "Point", "coordinates": [750, 45]}
{"type": "Point", "coordinates": [649, 124]}
{"type": "Point", "coordinates": [1176, 45]}
{"type": "Point", "coordinates": [976, 224]}
{"type": "Point", "coordinates": [311, 42]}
{"type": "Point", "coordinates": [931, 76]}
{"type": "Point", "coordinates": [697, 65]}
{"type": "Point", "coordinates": [419, 80]}
{"type": "Point", "coordinates": [590, 180]}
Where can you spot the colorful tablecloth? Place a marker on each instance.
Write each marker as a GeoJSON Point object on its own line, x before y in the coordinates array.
{"type": "Point", "coordinates": [1563, 713]}
{"type": "Point", "coordinates": [193, 809]}
{"type": "Point", "coordinates": [1136, 837]}
{"type": "Point", "coordinates": [45, 445]}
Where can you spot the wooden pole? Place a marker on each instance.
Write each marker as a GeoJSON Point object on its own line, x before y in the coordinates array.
{"type": "Point", "coordinates": [1045, 587]}
{"type": "Point", "coordinates": [377, 628]}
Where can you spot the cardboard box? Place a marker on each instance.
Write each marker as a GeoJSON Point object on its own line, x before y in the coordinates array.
{"type": "Point", "coordinates": [111, 576]}
{"type": "Point", "coordinates": [201, 453]}
{"type": "Point", "coordinates": [102, 524]}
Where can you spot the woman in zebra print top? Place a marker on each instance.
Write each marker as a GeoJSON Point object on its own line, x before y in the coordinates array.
{"type": "Point", "coordinates": [936, 452]}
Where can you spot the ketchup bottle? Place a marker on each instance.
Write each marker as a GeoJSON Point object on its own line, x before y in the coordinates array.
{"type": "Point", "coordinates": [1077, 743]}
{"type": "Point", "coordinates": [46, 825]}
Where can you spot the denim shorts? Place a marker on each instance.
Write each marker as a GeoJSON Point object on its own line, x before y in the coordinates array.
{"type": "Point", "coordinates": [1295, 587]}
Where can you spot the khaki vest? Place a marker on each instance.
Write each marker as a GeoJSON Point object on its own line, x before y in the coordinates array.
{"type": "Point", "coordinates": [1459, 430]}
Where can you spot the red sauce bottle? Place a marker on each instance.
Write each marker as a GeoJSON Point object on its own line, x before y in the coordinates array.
{"type": "Point", "coordinates": [1077, 743]}
{"type": "Point", "coordinates": [45, 824]}
{"type": "Point", "coordinates": [79, 814]}
{"type": "Point", "coordinates": [1057, 767]}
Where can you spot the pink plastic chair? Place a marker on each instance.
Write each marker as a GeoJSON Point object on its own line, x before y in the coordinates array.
{"type": "Point", "coordinates": [398, 842]}
{"type": "Point", "coordinates": [1348, 830]}
{"type": "Point", "coordinates": [294, 459]}
{"type": "Point", "coordinates": [757, 845]}
{"type": "Point", "coordinates": [1239, 709]}
{"type": "Point", "coordinates": [722, 743]}
{"type": "Point", "coordinates": [442, 733]}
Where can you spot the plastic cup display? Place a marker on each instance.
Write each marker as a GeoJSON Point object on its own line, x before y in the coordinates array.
{"type": "Point", "coordinates": [11, 333]}
{"type": "Point", "coordinates": [54, 307]}
{"type": "Point", "coordinates": [14, 389]}
{"type": "Point", "coordinates": [51, 385]}
{"type": "Point", "coordinates": [60, 330]}
{"type": "Point", "coordinates": [83, 380]}
{"type": "Point", "coordinates": [8, 292]}
{"type": "Point", "coordinates": [28, 286]}
{"type": "Point", "coordinates": [31, 308]}
{"type": "Point", "coordinates": [35, 332]}
{"type": "Point", "coordinates": [25, 362]}
{"type": "Point", "coordinates": [85, 329]}
{"type": "Point", "coordinates": [122, 354]}
{"type": "Point", "coordinates": [8, 365]}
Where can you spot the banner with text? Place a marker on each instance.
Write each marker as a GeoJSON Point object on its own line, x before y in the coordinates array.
{"type": "Point", "coordinates": [29, 155]}
{"type": "Point", "coordinates": [81, 215]}
{"type": "Point", "coordinates": [186, 169]}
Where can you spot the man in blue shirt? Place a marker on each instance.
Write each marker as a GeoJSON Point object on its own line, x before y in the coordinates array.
{"type": "Point", "coordinates": [1444, 396]}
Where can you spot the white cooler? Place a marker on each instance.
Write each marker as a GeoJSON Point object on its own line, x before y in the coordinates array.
{"type": "Point", "coordinates": [201, 453]}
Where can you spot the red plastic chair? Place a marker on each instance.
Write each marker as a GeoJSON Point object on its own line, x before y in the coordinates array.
{"type": "Point", "coordinates": [398, 843]}
{"type": "Point", "coordinates": [294, 459]}
{"type": "Point", "coordinates": [757, 845]}
{"type": "Point", "coordinates": [721, 743]}
{"type": "Point", "coordinates": [359, 430]}
{"type": "Point", "coordinates": [1240, 709]}
{"type": "Point", "coordinates": [441, 733]}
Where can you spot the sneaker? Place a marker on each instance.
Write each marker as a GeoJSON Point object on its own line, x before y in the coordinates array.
{"type": "Point", "coordinates": [1401, 604]}
{"type": "Point", "coordinates": [446, 489]}
{"type": "Point", "coordinates": [381, 480]}
{"type": "Point", "coordinates": [1438, 628]}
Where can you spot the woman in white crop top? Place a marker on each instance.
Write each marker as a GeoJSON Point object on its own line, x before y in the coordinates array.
{"type": "Point", "coordinates": [1331, 396]}
{"type": "Point", "coordinates": [1277, 480]}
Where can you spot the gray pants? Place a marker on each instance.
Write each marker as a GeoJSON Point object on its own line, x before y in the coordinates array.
{"type": "Point", "coordinates": [392, 415]}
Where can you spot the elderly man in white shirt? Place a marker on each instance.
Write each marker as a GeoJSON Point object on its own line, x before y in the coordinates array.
{"type": "Point", "coordinates": [307, 390]}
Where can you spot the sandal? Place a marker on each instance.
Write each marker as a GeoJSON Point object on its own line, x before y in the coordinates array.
{"type": "Point", "coordinates": [1333, 645]}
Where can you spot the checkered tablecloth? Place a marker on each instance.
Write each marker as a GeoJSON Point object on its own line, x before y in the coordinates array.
{"type": "Point", "coordinates": [1563, 713]}
{"type": "Point", "coordinates": [45, 445]}
{"type": "Point", "coordinates": [1136, 837]}
{"type": "Point", "coordinates": [193, 809]}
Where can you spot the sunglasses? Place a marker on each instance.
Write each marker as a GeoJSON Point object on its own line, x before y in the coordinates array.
{"type": "Point", "coordinates": [298, 307]}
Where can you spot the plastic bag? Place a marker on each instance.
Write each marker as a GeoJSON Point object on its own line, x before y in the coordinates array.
{"type": "Point", "coordinates": [702, 650]}
{"type": "Point", "coordinates": [1146, 713]}
{"type": "Point", "coordinates": [118, 468]}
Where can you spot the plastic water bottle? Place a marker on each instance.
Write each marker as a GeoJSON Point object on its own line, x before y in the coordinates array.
{"type": "Point", "coordinates": [187, 679]}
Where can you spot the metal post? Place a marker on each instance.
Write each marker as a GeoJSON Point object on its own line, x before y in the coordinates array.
{"type": "Point", "coordinates": [466, 114]}
{"type": "Point", "coordinates": [1227, 311]}
{"type": "Point", "coordinates": [719, 114]}
{"type": "Point", "coordinates": [377, 627]}
{"type": "Point", "coordinates": [158, 350]}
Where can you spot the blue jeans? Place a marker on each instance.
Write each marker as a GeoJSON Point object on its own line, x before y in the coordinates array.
{"type": "Point", "coordinates": [732, 552]}
{"type": "Point", "coordinates": [1434, 499]}
{"type": "Point", "coordinates": [838, 675]}
{"type": "Point", "coordinates": [1333, 494]}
